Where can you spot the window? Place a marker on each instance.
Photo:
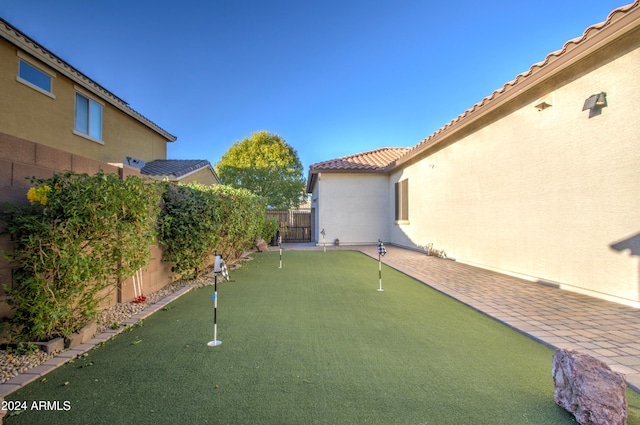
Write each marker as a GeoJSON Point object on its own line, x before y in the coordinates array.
{"type": "Point", "coordinates": [34, 77]}
{"type": "Point", "coordinates": [402, 201]}
{"type": "Point", "coordinates": [88, 117]}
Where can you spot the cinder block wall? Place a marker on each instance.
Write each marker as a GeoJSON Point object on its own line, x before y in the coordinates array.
{"type": "Point", "coordinates": [20, 160]}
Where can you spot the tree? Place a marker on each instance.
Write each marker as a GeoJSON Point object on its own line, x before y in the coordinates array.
{"type": "Point", "coordinates": [267, 166]}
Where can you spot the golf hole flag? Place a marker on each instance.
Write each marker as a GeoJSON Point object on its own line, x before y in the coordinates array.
{"type": "Point", "coordinates": [381, 252]}
{"type": "Point", "coordinates": [381, 249]}
{"type": "Point", "coordinates": [219, 266]}
{"type": "Point", "coordinates": [224, 270]}
{"type": "Point", "coordinates": [280, 245]}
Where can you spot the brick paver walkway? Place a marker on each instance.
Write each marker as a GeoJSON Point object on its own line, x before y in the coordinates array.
{"type": "Point", "coordinates": [552, 316]}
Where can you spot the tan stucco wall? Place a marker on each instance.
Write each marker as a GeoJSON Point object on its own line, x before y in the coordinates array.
{"type": "Point", "coordinates": [204, 176]}
{"type": "Point", "coordinates": [31, 115]}
{"type": "Point", "coordinates": [352, 207]}
{"type": "Point", "coordinates": [541, 193]}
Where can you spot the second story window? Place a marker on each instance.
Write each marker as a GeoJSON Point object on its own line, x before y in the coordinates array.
{"type": "Point", "coordinates": [88, 117]}
{"type": "Point", "coordinates": [34, 77]}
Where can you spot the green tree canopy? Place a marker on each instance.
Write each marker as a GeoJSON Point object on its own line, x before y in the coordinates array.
{"type": "Point", "coordinates": [267, 166]}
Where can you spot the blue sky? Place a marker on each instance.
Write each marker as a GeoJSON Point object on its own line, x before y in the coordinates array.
{"type": "Point", "coordinates": [332, 78]}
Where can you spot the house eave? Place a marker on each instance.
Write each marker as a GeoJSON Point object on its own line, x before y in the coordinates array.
{"type": "Point", "coordinates": [620, 22]}
{"type": "Point", "coordinates": [315, 172]}
{"type": "Point", "coordinates": [183, 176]}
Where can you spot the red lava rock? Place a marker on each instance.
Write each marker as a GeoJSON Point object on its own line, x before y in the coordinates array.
{"type": "Point", "coordinates": [589, 389]}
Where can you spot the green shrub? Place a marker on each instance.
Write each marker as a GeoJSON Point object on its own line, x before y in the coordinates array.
{"type": "Point", "coordinates": [187, 229]}
{"type": "Point", "coordinates": [80, 236]}
{"type": "Point", "coordinates": [270, 228]}
{"type": "Point", "coordinates": [197, 220]}
{"type": "Point", "coordinates": [243, 215]}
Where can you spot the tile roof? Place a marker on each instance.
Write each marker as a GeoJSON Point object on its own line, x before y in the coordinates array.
{"type": "Point", "coordinates": [375, 160]}
{"type": "Point", "coordinates": [175, 167]}
{"type": "Point", "coordinates": [621, 19]}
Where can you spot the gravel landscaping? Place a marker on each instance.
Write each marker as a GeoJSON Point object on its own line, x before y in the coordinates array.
{"type": "Point", "coordinates": [13, 363]}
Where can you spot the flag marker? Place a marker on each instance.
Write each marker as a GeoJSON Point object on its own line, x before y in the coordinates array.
{"type": "Point", "coordinates": [218, 267]}
{"type": "Point", "coordinates": [280, 245]}
{"type": "Point", "coordinates": [381, 252]}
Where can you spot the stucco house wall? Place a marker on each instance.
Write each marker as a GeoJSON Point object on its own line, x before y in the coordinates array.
{"type": "Point", "coordinates": [526, 182]}
{"type": "Point", "coordinates": [351, 207]}
{"type": "Point", "coordinates": [543, 193]}
{"type": "Point", "coordinates": [49, 119]}
{"type": "Point", "coordinates": [204, 176]}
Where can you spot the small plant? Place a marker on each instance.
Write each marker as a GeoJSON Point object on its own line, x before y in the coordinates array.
{"type": "Point", "coordinates": [21, 349]}
{"type": "Point", "coordinates": [270, 228]}
{"type": "Point", "coordinates": [27, 348]}
{"type": "Point", "coordinates": [430, 250]}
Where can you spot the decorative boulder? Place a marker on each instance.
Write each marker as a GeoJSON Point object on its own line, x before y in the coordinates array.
{"type": "Point", "coordinates": [262, 245]}
{"type": "Point", "coordinates": [589, 389]}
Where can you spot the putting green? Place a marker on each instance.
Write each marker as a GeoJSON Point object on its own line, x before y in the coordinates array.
{"type": "Point", "coordinates": [311, 343]}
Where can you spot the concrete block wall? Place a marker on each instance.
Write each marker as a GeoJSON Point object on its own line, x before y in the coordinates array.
{"type": "Point", "coordinates": [22, 159]}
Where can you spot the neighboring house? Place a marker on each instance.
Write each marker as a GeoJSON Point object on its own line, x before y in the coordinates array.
{"type": "Point", "coordinates": [182, 171]}
{"type": "Point", "coordinates": [540, 179]}
{"type": "Point", "coordinates": [54, 118]}
{"type": "Point", "coordinates": [47, 101]}
{"type": "Point", "coordinates": [350, 197]}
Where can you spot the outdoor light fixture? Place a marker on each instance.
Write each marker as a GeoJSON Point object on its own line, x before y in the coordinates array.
{"type": "Point", "coordinates": [595, 103]}
{"type": "Point", "coordinates": [542, 106]}
{"type": "Point", "coordinates": [545, 101]}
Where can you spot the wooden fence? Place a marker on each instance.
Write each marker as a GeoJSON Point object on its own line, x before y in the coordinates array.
{"type": "Point", "coordinates": [294, 225]}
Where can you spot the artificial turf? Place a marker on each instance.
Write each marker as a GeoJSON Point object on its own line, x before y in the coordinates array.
{"type": "Point", "coordinates": [313, 342]}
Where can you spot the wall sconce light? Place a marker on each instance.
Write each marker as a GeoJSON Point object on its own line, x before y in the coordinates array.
{"type": "Point", "coordinates": [595, 103]}
{"type": "Point", "coordinates": [542, 106]}
{"type": "Point", "coordinates": [545, 102]}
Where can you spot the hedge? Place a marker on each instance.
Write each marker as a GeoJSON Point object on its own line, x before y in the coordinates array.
{"type": "Point", "coordinates": [198, 220]}
{"type": "Point", "coordinates": [83, 235]}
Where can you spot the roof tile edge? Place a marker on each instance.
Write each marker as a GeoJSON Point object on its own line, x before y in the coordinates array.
{"type": "Point", "coordinates": [615, 15]}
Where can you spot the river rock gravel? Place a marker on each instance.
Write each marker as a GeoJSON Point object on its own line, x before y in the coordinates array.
{"type": "Point", "coordinates": [14, 362]}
